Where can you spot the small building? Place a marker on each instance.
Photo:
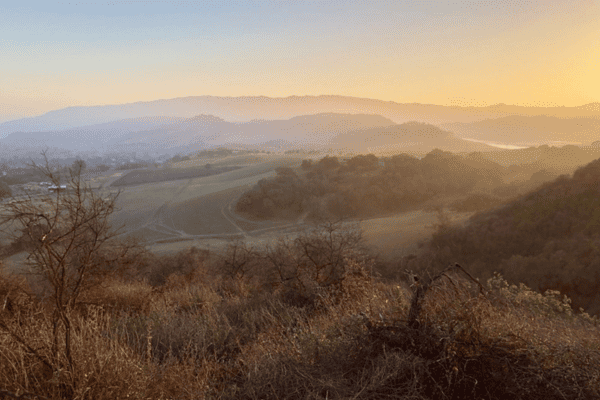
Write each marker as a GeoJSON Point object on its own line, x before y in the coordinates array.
{"type": "Point", "coordinates": [54, 188]}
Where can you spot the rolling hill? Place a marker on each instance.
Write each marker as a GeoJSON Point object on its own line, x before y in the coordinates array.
{"type": "Point", "coordinates": [206, 131]}
{"type": "Point", "coordinates": [241, 109]}
{"type": "Point", "coordinates": [518, 129]}
{"type": "Point", "coordinates": [547, 239]}
{"type": "Point", "coordinates": [410, 136]}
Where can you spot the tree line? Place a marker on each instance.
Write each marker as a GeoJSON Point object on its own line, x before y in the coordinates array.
{"type": "Point", "coordinates": [366, 185]}
{"type": "Point", "coordinates": [548, 239]}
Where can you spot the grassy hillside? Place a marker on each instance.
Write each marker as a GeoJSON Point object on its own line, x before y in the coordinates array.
{"type": "Point", "coordinates": [408, 137]}
{"type": "Point", "coordinates": [548, 239]}
{"type": "Point", "coordinates": [171, 174]}
{"type": "Point", "coordinates": [557, 159]}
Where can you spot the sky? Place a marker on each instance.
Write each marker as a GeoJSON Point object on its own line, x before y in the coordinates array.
{"type": "Point", "coordinates": [56, 54]}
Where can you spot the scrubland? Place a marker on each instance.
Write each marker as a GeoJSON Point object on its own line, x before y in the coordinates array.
{"type": "Point", "coordinates": [306, 317]}
{"type": "Point", "coordinates": [315, 314]}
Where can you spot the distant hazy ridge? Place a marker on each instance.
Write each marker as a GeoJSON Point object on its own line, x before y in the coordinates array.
{"type": "Point", "coordinates": [249, 108]}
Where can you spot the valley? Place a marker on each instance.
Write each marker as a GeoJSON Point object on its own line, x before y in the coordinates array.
{"type": "Point", "coordinates": [274, 199]}
{"type": "Point", "coordinates": [170, 216]}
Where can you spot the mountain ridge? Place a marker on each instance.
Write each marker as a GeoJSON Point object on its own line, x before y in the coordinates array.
{"type": "Point", "coordinates": [246, 108]}
{"type": "Point", "coordinates": [352, 132]}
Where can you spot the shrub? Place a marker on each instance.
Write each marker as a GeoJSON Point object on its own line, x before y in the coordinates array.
{"type": "Point", "coordinates": [4, 190]}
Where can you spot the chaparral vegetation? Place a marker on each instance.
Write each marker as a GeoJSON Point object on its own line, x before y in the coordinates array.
{"type": "Point", "coordinates": [313, 315]}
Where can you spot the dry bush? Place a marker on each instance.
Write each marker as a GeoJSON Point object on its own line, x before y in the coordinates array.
{"type": "Point", "coordinates": [466, 346]}
{"type": "Point", "coordinates": [16, 295]}
{"type": "Point", "coordinates": [65, 234]}
{"type": "Point", "coordinates": [324, 261]}
{"type": "Point", "coordinates": [156, 269]}
{"type": "Point", "coordinates": [118, 296]}
{"type": "Point", "coordinates": [201, 335]}
{"type": "Point", "coordinates": [30, 366]}
{"type": "Point", "coordinates": [237, 269]}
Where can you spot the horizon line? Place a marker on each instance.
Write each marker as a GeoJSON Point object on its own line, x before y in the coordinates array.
{"type": "Point", "coordinates": [301, 96]}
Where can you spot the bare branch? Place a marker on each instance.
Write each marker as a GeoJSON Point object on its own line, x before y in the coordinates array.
{"type": "Point", "coordinates": [63, 233]}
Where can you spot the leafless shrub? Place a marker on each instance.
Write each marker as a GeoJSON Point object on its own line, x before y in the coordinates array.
{"type": "Point", "coordinates": [239, 261]}
{"type": "Point", "coordinates": [65, 234]}
{"type": "Point", "coordinates": [316, 263]}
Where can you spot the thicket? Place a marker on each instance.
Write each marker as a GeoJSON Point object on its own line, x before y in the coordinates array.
{"type": "Point", "coordinates": [365, 186]}
{"type": "Point", "coordinates": [549, 239]}
{"type": "Point", "coordinates": [277, 322]}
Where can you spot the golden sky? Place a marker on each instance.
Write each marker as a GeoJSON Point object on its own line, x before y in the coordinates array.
{"type": "Point", "coordinates": [60, 54]}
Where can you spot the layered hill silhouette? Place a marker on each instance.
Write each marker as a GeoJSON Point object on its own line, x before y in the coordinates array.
{"type": "Point", "coordinates": [84, 138]}
{"type": "Point", "coordinates": [350, 132]}
{"type": "Point", "coordinates": [242, 109]}
{"type": "Point", "coordinates": [410, 136]}
{"type": "Point", "coordinates": [199, 132]}
{"type": "Point", "coordinates": [518, 129]}
{"type": "Point", "coordinates": [206, 131]}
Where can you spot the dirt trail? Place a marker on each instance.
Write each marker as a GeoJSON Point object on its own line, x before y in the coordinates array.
{"type": "Point", "coordinates": [228, 218]}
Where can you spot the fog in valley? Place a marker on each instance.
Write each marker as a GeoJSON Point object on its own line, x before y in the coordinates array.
{"type": "Point", "coordinates": [204, 182]}
{"type": "Point", "coordinates": [319, 199]}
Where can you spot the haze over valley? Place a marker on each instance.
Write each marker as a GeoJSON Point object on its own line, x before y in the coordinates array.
{"type": "Point", "coordinates": [204, 180]}
{"type": "Point", "coordinates": [266, 199]}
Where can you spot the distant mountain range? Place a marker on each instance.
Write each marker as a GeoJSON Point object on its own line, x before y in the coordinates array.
{"type": "Point", "coordinates": [346, 132]}
{"type": "Point", "coordinates": [244, 109]}
{"type": "Point", "coordinates": [528, 130]}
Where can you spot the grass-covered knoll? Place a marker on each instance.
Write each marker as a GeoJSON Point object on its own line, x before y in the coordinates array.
{"type": "Point", "coordinates": [365, 186]}
{"type": "Point", "coordinates": [192, 206]}
{"type": "Point", "coordinates": [169, 174]}
{"type": "Point", "coordinates": [547, 239]}
{"type": "Point", "coordinates": [305, 318]}
{"type": "Point", "coordinates": [558, 159]}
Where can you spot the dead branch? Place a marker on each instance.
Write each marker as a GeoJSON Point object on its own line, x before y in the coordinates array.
{"type": "Point", "coordinates": [422, 286]}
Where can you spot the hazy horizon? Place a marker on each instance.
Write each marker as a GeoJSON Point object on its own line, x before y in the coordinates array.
{"type": "Point", "coordinates": [454, 53]}
{"type": "Point", "coordinates": [277, 98]}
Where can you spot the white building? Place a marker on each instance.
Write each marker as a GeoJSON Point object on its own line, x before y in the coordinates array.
{"type": "Point", "coordinates": [54, 188]}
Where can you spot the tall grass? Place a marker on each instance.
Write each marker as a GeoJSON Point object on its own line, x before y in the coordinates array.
{"type": "Point", "coordinates": [198, 334]}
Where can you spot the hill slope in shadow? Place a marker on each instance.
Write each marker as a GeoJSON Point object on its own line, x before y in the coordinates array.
{"type": "Point", "coordinates": [547, 239]}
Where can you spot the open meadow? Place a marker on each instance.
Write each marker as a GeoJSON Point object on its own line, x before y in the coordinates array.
{"type": "Point", "coordinates": [195, 208]}
{"type": "Point", "coordinates": [399, 235]}
{"type": "Point", "coordinates": [174, 215]}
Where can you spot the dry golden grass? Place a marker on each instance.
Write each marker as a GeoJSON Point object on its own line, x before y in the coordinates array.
{"type": "Point", "coordinates": [201, 335]}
